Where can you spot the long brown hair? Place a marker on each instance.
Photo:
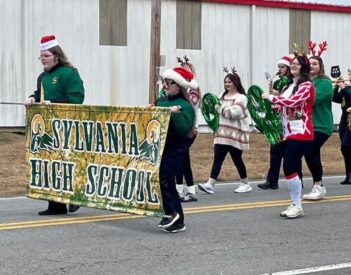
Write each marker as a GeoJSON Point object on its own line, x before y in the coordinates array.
{"type": "Point", "coordinates": [61, 56]}
{"type": "Point", "coordinates": [304, 72]}
{"type": "Point", "coordinates": [321, 66]}
{"type": "Point", "coordinates": [235, 78]}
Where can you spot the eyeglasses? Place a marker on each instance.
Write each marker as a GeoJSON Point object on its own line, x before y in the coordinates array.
{"type": "Point", "coordinates": [45, 56]}
{"type": "Point", "coordinates": [168, 81]}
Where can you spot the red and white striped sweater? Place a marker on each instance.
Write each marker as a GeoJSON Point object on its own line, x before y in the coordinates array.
{"type": "Point", "coordinates": [296, 112]}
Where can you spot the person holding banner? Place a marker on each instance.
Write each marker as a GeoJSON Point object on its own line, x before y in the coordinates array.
{"type": "Point", "coordinates": [296, 112]}
{"type": "Point", "coordinates": [176, 82]}
{"type": "Point", "coordinates": [58, 83]}
{"type": "Point", "coordinates": [233, 133]}
{"type": "Point", "coordinates": [277, 150]}
{"type": "Point", "coordinates": [342, 95]}
{"type": "Point", "coordinates": [323, 126]}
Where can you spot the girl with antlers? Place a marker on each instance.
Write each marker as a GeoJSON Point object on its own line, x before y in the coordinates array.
{"type": "Point", "coordinates": [188, 193]}
{"type": "Point", "coordinates": [322, 120]}
{"type": "Point", "coordinates": [295, 107]}
{"type": "Point", "coordinates": [233, 133]}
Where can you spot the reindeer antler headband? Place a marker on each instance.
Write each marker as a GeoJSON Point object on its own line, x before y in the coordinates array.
{"type": "Point", "coordinates": [312, 46]}
{"type": "Point", "coordinates": [298, 51]}
{"type": "Point", "coordinates": [232, 70]}
{"type": "Point", "coordinates": [181, 61]}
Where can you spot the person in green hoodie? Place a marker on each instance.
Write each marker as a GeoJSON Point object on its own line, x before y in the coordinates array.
{"type": "Point", "coordinates": [176, 82]}
{"type": "Point", "coordinates": [58, 83]}
{"type": "Point", "coordinates": [322, 117]}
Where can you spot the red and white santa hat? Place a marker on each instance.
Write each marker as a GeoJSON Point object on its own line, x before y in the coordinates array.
{"type": "Point", "coordinates": [48, 42]}
{"type": "Point", "coordinates": [285, 60]}
{"type": "Point", "coordinates": [184, 78]}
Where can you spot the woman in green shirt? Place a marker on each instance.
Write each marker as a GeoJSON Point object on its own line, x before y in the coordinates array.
{"type": "Point", "coordinates": [322, 117]}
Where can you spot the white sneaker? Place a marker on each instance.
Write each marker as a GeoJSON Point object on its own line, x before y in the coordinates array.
{"type": "Point", "coordinates": [243, 188]}
{"type": "Point", "coordinates": [180, 189]}
{"type": "Point", "coordinates": [206, 187]}
{"type": "Point", "coordinates": [283, 213]}
{"type": "Point", "coordinates": [318, 192]}
{"type": "Point", "coordinates": [292, 212]}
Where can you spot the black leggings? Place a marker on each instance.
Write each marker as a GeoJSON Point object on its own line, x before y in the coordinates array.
{"type": "Point", "coordinates": [345, 138]}
{"type": "Point", "coordinates": [220, 152]}
{"type": "Point", "coordinates": [186, 167]}
{"type": "Point", "coordinates": [313, 155]}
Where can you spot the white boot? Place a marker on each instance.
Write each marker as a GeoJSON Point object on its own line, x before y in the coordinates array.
{"type": "Point", "coordinates": [208, 186]}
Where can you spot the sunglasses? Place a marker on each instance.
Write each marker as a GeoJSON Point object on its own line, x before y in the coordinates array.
{"type": "Point", "coordinates": [168, 81]}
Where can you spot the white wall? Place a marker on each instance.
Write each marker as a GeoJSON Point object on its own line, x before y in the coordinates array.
{"type": "Point", "coordinates": [120, 75]}
{"type": "Point", "coordinates": [335, 29]}
{"type": "Point", "coordinates": [111, 75]}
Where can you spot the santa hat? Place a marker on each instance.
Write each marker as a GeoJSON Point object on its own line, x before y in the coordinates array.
{"type": "Point", "coordinates": [285, 60]}
{"type": "Point", "coordinates": [184, 78]}
{"type": "Point", "coordinates": [48, 42]}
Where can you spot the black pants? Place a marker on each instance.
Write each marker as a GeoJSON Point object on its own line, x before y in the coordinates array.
{"type": "Point", "coordinates": [220, 152]}
{"type": "Point", "coordinates": [276, 157]}
{"type": "Point", "coordinates": [168, 170]}
{"type": "Point", "coordinates": [313, 155]}
{"type": "Point", "coordinates": [294, 151]}
{"type": "Point", "coordinates": [185, 169]}
{"type": "Point", "coordinates": [345, 138]}
{"type": "Point", "coordinates": [57, 206]}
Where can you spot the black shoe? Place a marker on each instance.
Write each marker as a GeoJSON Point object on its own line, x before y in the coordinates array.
{"type": "Point", "coordinates": [73, 208]}
{"type": "Point", "coordinates": [175, 228]}
{"type": "Point", "coordinates": [167, 221]}
{"type": "Point", "coordinates": [268, 185]}
{"type": "Point", "coordinates": [346, 181]}
{"type": "Point", "coordinates": [188, 197]}
{"type": "Point", "coordinates": [48, 212]}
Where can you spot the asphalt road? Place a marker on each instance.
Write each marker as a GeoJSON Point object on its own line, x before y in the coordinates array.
{"type": "Point", "coordinates": [227, 233]}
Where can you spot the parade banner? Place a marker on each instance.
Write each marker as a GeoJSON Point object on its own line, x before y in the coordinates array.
{"type": "Point", "coordinates": [96, 156]}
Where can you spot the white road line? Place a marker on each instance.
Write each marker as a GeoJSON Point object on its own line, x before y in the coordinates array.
{"type": "Point", "coordinates": [311, 269]}
{"type": "Point", "coordinates": [13, 198]}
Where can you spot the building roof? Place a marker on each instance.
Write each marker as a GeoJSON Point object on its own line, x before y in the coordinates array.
{"type": "Point", "coordinates": [342, 6]}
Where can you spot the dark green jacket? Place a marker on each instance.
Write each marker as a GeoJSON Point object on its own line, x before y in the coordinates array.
{"type": "Point", "coordinates": [180, 124]}
{"type": "Point", "coordinates": [322, 115]}
{"type": "Point", "coordinates": [61, 84]}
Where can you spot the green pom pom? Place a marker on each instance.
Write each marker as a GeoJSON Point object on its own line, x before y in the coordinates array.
{"type": "Point", "coordinates": [266, 118]}
{"type": "Point", "coordinates": [211, 116]}
{"type": "Point", "coordinates": [283, 81]}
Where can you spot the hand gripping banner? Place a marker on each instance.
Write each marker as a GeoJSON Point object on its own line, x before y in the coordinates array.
{"type": "Point", "coordinates": [96, 156]}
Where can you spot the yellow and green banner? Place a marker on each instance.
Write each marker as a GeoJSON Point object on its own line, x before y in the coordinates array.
{"type": "Point", "coordinates": [96, 156]}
